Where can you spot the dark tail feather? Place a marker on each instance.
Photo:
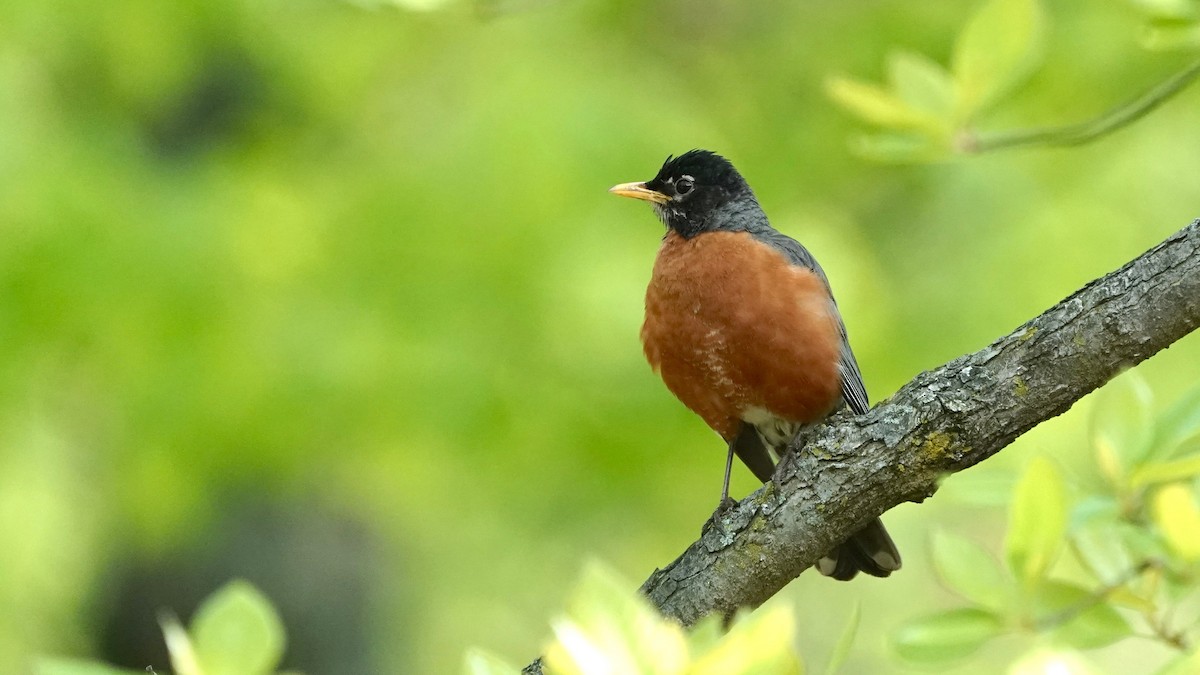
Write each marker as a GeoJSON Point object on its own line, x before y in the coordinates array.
{"type": "Point", "coordinates": [870, 550]}
{"type": "Point", "coordinates": [754, 454]}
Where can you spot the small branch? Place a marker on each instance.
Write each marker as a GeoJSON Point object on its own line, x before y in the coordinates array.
{"type": "Point", "coordinates": [1078, 134]}
{"type": "Point", "coordinates": [1099, 595]}
{"type": "Point", "coordinates": [852, 469]}
{"type": "Point", "coordinates": [1159, 624]}
{"type": "Point", "coordinates": [1172, 638]}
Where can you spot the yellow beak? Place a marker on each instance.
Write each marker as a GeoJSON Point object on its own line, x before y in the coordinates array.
{"type": "Point", "coordinates": [639, 191]}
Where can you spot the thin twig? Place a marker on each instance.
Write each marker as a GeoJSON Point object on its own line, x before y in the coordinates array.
{"type": "Point", "coordinates": [1083, 132]}
{"type": "Point", "coordinates": [1173, 638]}
{"type": "Point", "coordinates": [1099, 595]}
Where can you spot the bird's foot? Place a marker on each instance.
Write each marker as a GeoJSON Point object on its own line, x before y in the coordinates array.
{"type": "Point", "coordinates": [724, 506]}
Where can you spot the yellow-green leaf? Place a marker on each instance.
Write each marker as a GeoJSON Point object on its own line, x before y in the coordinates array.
{"type": "Point", "coordinates": [761, 643]}
{"type": "Point", "coordinates": [1172, 37]}
{"type": "Point", "coordinates": [610, 628]}
{"type": "Point", "coordinates": [1143, 543]}
{"type": "Point", "coordinates": [1074, 616]}
{"type": "Point", "coordinates": [1179, 427]}
{"type": "Point", "coordinates": [1051, 662]}
{"type": "Point", "coordinates": [413, 5]}
{"type": "Point", "coordinates": [1169, 9]}
{"type": "Point", "coordinates": [924, 85]}
{"type": "Point", "coordinates": [988, 489]}
{"type": "Point", "coordinates": [1167, 472]}
{"type": "Point", "coordinates": [842, 649]}
{"type": "Point", "coordinates": [874, 104]}
{"type": "Point", "coordinates": [900, 148]}
{"type": "Point", "coordinates": [1178, 519]}
{"type": "Point", "coordinates": [1037, 521]}
{"type": "Point", "coordinates": [995, 50]}
{"type": "Point", "coordinates": [179, 646]}
{"type": "Point", "coordinates": [968, 570]}
{"type": "Point", "coordinates": [1101, 547]}
{"type": "Point", "coordinates": [708, 632]}
{"type": "Point", "coordinates": [78, 667]}
{"type": "Point", "coordinates": [946, 636]}
{"type": "Point", "coordinates": [237, 632]}
{"type": "Point", "coordinates": [480, 662]}
{"type": "Point", "coordinates": [1125, 597]}
{"type": "Point", "coordinates": [1187, 664]}
{"type": "Point", "coordinates": [1121, 425]}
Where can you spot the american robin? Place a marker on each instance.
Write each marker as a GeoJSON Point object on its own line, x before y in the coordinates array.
{"type": "Point", "coordinates": [742, 327]}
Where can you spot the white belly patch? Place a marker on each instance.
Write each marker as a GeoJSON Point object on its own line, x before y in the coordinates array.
{"type": "Point", "coordinates": [774, 431]}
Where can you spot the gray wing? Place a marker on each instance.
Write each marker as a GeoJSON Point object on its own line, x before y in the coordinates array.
{"type": "Point", "coordinates": [853, 389]}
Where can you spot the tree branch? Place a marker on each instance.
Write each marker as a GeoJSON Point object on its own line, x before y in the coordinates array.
{"type": "Point", "coordinates": [851, 469]}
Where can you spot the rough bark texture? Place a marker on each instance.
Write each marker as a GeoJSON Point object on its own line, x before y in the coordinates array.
{"type": "Point", "coordinates": [851, 469]}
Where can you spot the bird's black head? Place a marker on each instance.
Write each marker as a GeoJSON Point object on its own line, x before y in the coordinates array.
{"type": "Point", "coordinates": [698, 191]}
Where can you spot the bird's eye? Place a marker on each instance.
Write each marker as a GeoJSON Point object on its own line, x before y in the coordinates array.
{"type": "Point", "coordinates": [684, 185]}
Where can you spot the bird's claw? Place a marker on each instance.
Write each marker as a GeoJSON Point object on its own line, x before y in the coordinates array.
{"type": "Point", "coordinates": [724, 506]}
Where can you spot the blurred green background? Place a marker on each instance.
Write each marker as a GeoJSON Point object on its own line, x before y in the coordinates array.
{"type": "Point", "coordinates": [331, 296]}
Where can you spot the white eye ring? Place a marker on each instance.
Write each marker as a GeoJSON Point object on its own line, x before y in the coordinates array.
{"type": "Point", "coordinates": [684, 185]}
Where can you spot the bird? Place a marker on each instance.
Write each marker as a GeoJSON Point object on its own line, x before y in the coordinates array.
{"type": "Point", "coordinates": [742, 327]}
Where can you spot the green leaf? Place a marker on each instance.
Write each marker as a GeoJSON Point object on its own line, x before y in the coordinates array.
{"type": "Point", "coordinates": [1121, 425]}
{"type": "Point", "coordinates": [842, 649]}
{"type": "Point", "coordinates": [1161, 38]}
{"type": "Point", "coordinates": [968, 570]}
{"type": "Point", "coordinates": [996, 50]}
{"type": "Point", "coordinates": [924, 85]}
{"type": "Point", "coordinates": [1074, 616]}
{"type": "Point", "coordinates": [1179, 425]}
{"type": "Point", "coordinates": [1178, 519]}
{"type": "Point", "coordinates": [1166, 472]}
{"type": "Point", "coordinates": [892, 148]}
{"type": "Point", "coordinates": [1168, 9]}
{"type": "Point", "coordinates": [237, 632]}
{"type": "Point", "coordinates": [56, 666]}
{"type": "Point", "coordinates": [1096, 509]}
{"type": "Point", "coordinates": [1187, 664]}
{"type": "Point", "coordinates": [480, 662]}
{"type": "Point", "coordinates": [1126, 597]}
{"type": "Point", "coordinates": [179, 646]}
{"type": "Point", "coordinates": [988, 489]}
{"type": "Point", "coordinates": [1142, 542]}
{"type": "Point", "coordinates": [1102, 549]}
{"type": "Point", "coordinates": [946, 636]}
{"type": "Point", "coordinates": [874, 104]}
{"type": "Point", "coordinates": [708, 632]}
{"type": "Point", "coordinates": [609, 627]}
{"type": "Point", "coordinates": [411, 5]}
{"type": "Point", "coordinates": [1051, 662]}
{"type": "Point", "coordinates": [1037, 521]}
{"type": "Point", "coordinates": [761, 643]}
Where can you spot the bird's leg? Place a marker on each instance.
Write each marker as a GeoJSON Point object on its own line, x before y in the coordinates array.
{"type": "Point", "coordinates": [726, 502]}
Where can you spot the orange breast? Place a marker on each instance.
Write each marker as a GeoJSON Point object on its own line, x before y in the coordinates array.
{"type": "Point", "coordinates": [731, 326]}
